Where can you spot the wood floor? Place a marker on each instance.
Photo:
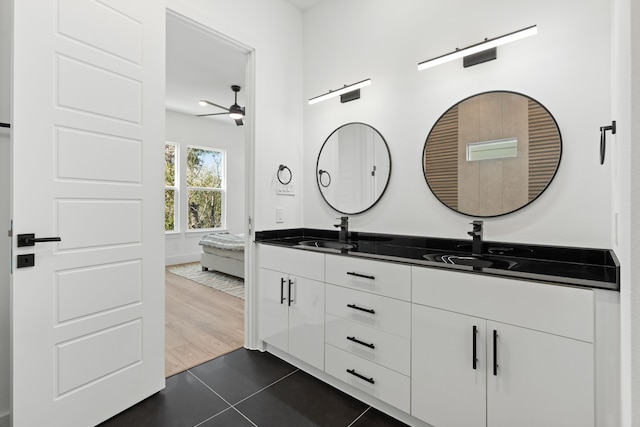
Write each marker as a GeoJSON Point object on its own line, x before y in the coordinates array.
{"type": "Point", "coordinates": [201, 323]}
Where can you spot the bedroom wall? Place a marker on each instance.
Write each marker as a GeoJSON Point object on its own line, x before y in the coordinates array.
{"type": "Point", "coordinates": [182, 246]}
{"type": "Point", "coordinates": [274, 30]}
{"type": "Point", "coordinates": [385, 41]}
{"type": "Point", "coordinates": [5, 241]}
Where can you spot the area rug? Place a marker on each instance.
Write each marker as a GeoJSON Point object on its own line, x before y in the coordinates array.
{"type": "Point", "coordinates": [223, 282]}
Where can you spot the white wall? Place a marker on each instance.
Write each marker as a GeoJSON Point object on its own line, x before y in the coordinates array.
{"type": "Point", "coordinates": [626, 185]}
{"type": "Point", "coordinates": [185, 130]}
{"type": "Point", "coordinates": [565, 67]}
{"type": "Point", "coordinates": [5, 242]}
{"type": "Point", "coordinates": [274, 30]}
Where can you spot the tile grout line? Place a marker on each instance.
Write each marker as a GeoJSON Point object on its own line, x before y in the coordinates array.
{"type": "Point", "coordinates": [214, 392]}
{"type": "Point", "coordinates": [266, 387]}
{"type": "Point", "coordinates": [359, 416]}
{"type": "Point", "coordinates": [237, 403]}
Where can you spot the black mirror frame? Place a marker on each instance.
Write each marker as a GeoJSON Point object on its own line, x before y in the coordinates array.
{"type": "Point", "coordinates": [422, 159]}
{"type": "Point", "coordinates": [320, 186]}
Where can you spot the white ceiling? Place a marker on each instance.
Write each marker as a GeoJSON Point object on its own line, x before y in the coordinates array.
{"type": "Point", "coordinates": [201, 66]}
{"type": "Point", "coordinates": [304, 4]}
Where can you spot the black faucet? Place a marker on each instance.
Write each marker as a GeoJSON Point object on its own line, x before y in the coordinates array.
{"type": "Point", "coordinates": [476, 233]}
{"type": "Point", "coordinates": [344, 229]}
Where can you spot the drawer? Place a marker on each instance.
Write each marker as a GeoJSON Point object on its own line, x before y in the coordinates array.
{"type": "Point", "coordinates": [380, 347]}
{"type": "Point", "coordinates": [387, 314]}
{"type": "Point", "coordinates": [383, 278]}
{"type": "Point", "coordinates": [380, 382]}
{"type": "Point", "coordinates": [292, 261]}
{"type": "Point", "coordinates": [559, 310]}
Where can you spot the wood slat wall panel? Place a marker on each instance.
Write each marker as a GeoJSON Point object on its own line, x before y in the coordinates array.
{"type": "Point", "coordinates": [441, 161]}
{"type": "Point", "coordinates": [544, 149]}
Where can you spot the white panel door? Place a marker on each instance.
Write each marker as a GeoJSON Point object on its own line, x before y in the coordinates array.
{"type": "Point", "coordinates": [87, 166]}
{"type": "Point", "coordinates": [447, 388]}
{"type": "Point", "coordinates": [540, 380]}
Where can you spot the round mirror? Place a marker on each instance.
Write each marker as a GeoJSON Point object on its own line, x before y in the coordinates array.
{"type": "Point", "coordinates": [353, 168]}
{"type": "Point", "coordinates": [492, 154]}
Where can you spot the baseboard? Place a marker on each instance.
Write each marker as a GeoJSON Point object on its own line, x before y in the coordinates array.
{"type": "Point", "coordinates": [4, 420]}
{"type": "Point", "coordinates": [182, 259]}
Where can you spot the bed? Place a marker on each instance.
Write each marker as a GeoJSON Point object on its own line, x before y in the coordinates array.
{"type": "Point", "coordinates": [223, 252]}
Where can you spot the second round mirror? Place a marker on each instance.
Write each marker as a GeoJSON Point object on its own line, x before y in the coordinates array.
{"type": "Point", "coordinates": [353, 168]}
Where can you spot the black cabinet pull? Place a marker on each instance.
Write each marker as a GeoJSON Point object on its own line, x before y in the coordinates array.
{"type": "Point", "coordinates": [366, 276]}
{"type": "Point", "coordinates": [357, 341]}
{"type": "Point", "coordinates": [362, 377]}
{"type": "Point", "coordinates": [475, 346]}
{"type": "Point", "coordinates": [290, 300]}
{"type": "Point", "coordinates": [282, 298]}
{"type": "Point", "coordinates": [355, 307]}
{"type": "Point", "coordinates": [495, 352]}
{"type": "Point", "coordinates": [31, 240]}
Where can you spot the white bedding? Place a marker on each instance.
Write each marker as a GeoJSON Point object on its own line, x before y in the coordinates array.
{"type": "Point", "coordinates": [230, 242]}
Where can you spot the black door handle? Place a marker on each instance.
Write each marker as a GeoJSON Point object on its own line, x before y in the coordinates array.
{"type": "Point", "coordinates": [495, 352]}
{"type": "Point", "coordinates": [282, 298]}
{"type": "Point", "coordinates": [475, 346]}
{"type": "Point", "coordinates": [290, 300]}
{"type": "Point", "coordinates": [30, 240]}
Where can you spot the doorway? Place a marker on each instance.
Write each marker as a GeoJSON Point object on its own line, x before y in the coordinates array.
{"type": "Point", "coordinates": [202, 323]}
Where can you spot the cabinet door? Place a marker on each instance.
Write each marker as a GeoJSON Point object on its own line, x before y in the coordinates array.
{"type": "Point", "coordinates": [446, 389]}
{"type": "Point", "coordinates": [273, 308]}
{"type": "Point", "coordinates": [306, 320]}
{"type": "Point", "coordinates": [541, 379]}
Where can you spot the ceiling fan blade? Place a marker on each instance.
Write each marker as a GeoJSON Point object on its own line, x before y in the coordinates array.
{"type": "Point", "coordinates": [239, 122]}
{"type": "Point", "coordinates": [216, 105]}
{"type": "Point", "coordinates": [212, 114]}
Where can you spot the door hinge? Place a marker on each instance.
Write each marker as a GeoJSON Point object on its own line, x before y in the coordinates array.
{"type": "Point", "coordinates": [250, 225]}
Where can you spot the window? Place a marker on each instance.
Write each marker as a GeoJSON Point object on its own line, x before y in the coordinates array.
{"type": "Point", "coordinates": [205, 188]}
{"type": "Point", "coordinates": [170, 187]}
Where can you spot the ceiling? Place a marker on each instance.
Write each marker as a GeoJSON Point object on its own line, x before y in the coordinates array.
{"type": "Point", "coordinates": [304, 4]}
{"type": "Point", "coordinates": [201, 66]}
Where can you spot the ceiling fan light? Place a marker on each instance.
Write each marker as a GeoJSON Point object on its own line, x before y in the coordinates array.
{"type": "Point", "coordinates": [202, 103]}
{"type": "Point", "coordinates": [235, 112]}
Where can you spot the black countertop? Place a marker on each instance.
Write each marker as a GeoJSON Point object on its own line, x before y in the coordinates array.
{"type": "Point", "coordinates": [582, 267]}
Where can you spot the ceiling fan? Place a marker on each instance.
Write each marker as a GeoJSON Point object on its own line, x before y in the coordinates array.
{"type": "Point", "coordinates": [236, 112]}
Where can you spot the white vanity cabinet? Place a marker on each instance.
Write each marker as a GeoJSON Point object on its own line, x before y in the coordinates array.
{"type": "Point", "coordinates": [291, 302]}
{"type": "Point", "coordinates": [368, 327]}
{"type": "Point", "coordinates": [497, 352]}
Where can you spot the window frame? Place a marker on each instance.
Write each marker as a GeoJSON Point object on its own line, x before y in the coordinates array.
{"type": "Point", "coordinates": [175, 187]}
{"type": "Point", "coordinates": [222, 190]}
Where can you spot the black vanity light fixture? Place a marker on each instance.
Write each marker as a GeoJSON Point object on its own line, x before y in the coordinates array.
{"type": "Point", "coordinates": [479, 52]}
{"type": "Point", "coordinates": [346, 93]}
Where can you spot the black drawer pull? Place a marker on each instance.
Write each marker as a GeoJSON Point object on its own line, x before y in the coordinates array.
{"type": "Point", "coordinates": [355, 307]}
{"type": "Point", "coordinates": [366, 276]}
{"type": "Point", "coordinates": [357, 341]}
{"type": "Point", "coordinates": [362, 377]}
{"type": "Point", "coordinates": [282, 298]}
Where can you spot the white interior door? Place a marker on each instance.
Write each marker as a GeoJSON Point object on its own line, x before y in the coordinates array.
{"type": "Point", "coordinates": [87, 166]}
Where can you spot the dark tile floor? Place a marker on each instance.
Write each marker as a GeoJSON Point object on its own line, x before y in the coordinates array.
{"type": "Point", "coordinates": [249, 388]}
